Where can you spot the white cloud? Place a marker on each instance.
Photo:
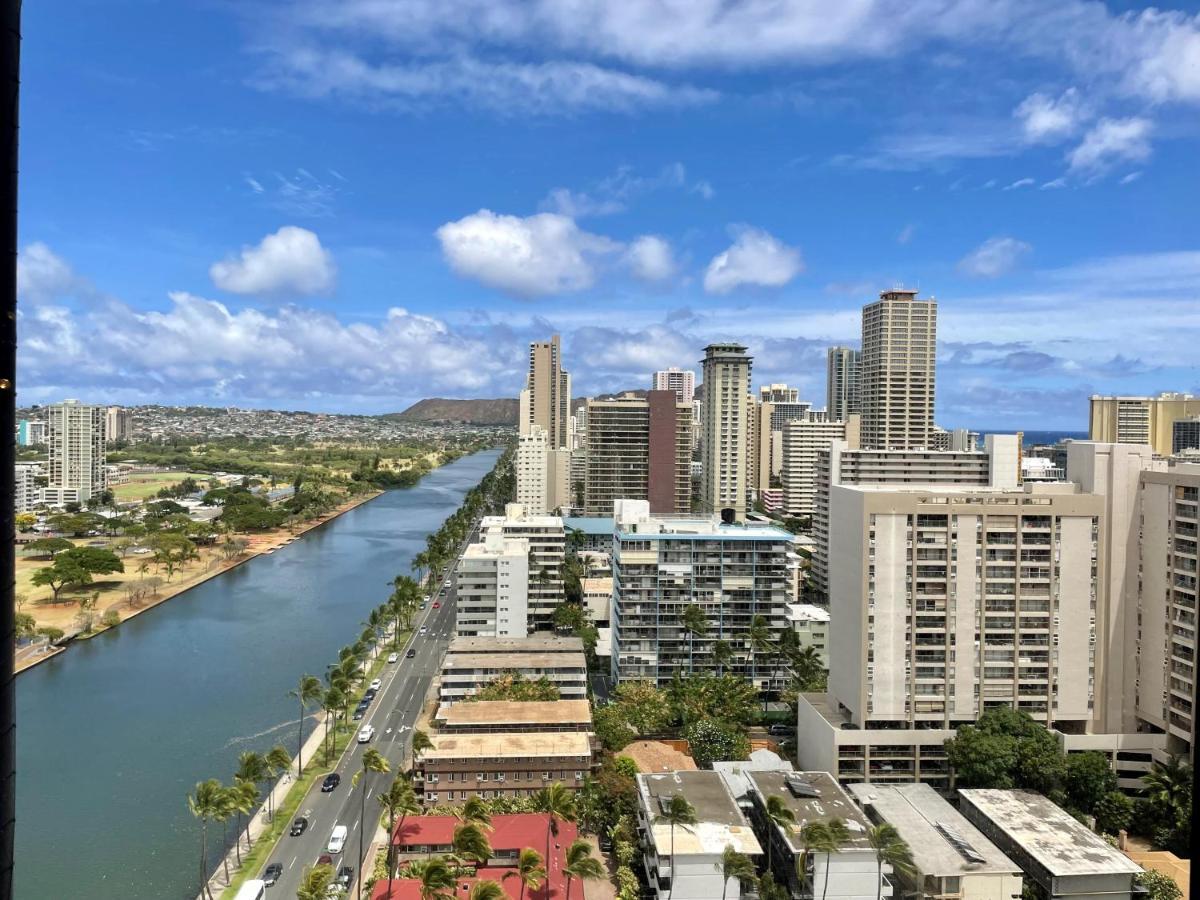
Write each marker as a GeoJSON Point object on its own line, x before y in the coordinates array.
{"type": "Point", "coordinates": [1131, 178]}
{"type": "Point", "coordinates": [906, 234]}
{"type": "Point", "coordinates": [290, 261]}
{"type": "Point", "coordinates": [1019, 183]}
{"type": "Point", "coordinates": [755, 258]}
{"type": "Point", "coordinates": [1054, 184]}
{"type": "Point", "coordinates": [650, 258]}
{"type": "Point", "coordinates": [993, 258]}
{"type": "Point", "coordinates": [1047, 120]}
{"type": "Point", "coordinates": [534, 256]}
{"type": "Point", "coordinates": [1111, 141]}
{"type": "Point", "coordinates": [42, 273]}
{"type": "Point", "coordinates": [614, 193]}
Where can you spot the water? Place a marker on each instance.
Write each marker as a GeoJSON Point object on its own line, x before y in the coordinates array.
{"type": "Point", "coordinates": [114, 733]}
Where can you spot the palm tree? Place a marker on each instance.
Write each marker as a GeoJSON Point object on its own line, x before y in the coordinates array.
{"type": "Point", "coordinates": [470, 843]}
{"type": "Point", "coordinates": [224, 812]}
{"type": "Point", "coordinates": [314, 884]}
{"type": "Point", "coordinates": [759, 636]}
{"type": "Point", "coordinates": [475, 810]}
{"type": "Point", "coordinates": [581, 864]}
{"type": "Point", "coordinates": [278, 761]}
{"type": "Point", "coordinates": [205, 804]}
{"type": "Point", "coordinates": [307, 691]}
{"type": "Point", "coordinates": [815, 838]}
{"type": "Point", "coordinates": [1168, 783]}
{"type": "Point", "coordinates": [722, 655]}
{"type": "Point", "coordinates": [437, 879]}
{"type": "Point", "coordinates": [837, 834]}
{"type": "Point", "coordinates": [420, 743]}
{"type": "Point", "coordinates": [529, 869]}
{"type": "Point", "coordinates": [694, 624]}
{"type": "Point", "coordinates": [486, 890]}
{"type": "Point", "coordinates": [780, 815]}
{"type": "Point", "coordinates": [678, 812]}
{"type": "Point", "coordinates": [397, 800]}
{"type": "Point", "coordinates": [332, 700]}
{"type": "Point", "coordinates": [735, 865]}
{"type": "Point", "coordinates": [243, 796]}
{"type": "Point", "coordinates": [559, 804]}
{"type": "Point", "coordinates": [253, 767]}
{"type": "Point", "coordinates": [892, 850]}
{"type": "Point", "coordinates": [372, 761]}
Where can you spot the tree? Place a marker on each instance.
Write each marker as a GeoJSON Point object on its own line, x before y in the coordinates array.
{"type": "Point", "coordinates": [759, 637]}
{"type": "Point", "coordinates": [1114, 813]}
{"type": "Point", "coordinates": [722, 654]}
{"type": "Point", "coordinates": [420, 743]}
{"type": "Point", "coordinates": [332, 700]}
{"type": "Point", "coordinates": [278, 761]}
{"type": "Point", "coordinates": [25, 626]}
{"type": "Point", "coordinates": [892, 850]}
{"type": "Point", "coordinates": [1168, 806]}
{"type": "Point", "coordinates": [1159, 886]}
{"type": "Point", "coordinates": [643, 706]}
{"type": "Point", "coordinates": [726, 698]}
{"type": "Point", "coordinates": [780, 815]}
{"type": "Point", "coordinates": [581, 864]}
{"type": "Point", "coordinates": [110, 619]}
{"type": "Point", "coordinates": [436, 877]}
{"type": "Point", "coordinates": [314, 883]}
{"type": "Point", "coordinates": [710, 740]}
{"type": "Point", "coordinates": [205, 804]}
{"type": "Point", "coordinates": [398, 800]}
{"type": "Point", "coordinates": [76, 567]}
{"type": "Point", "coordinates": [475, 811]}
{"type": "Point", "coordinates": [308, 691]}
{"type": "Point", "coordinates": [470, 843]}
{"type": "Point", "coordinates": [515, 686]}
{"type": "Point", "coordinates": [736, 865]}
{"type": "Point", "coordinates": [980, 759]}
{"type": "Point", "coordinates": [559, 805]}
{"type": "Point", "coordinates": [694, 624]}
{"type": "Point", "coordinates": [815, 837]}
{"type": "Point", "coordinates": [48, 546]}
{"type": "Point", "coordinates": [225, 810]}
{"type": "Point", "coordinates": [529, 869]}
{"type": "Point", "coordinates": [491, 890]}
{"type": "Point", "coordinates": [51, 633]}
{"type": "Point", "coordinates": [838, 835]}
{"type": "Point", "coordinates": [612, 728]}
{"type": "Point", "coordinates": [243, 797]}
{"type": "Point", "coordinates": [1088, 778]}
{"type": "Point", "coordinates": [372, 761]}
{"type": "Point", "coordinates": [678, 812]}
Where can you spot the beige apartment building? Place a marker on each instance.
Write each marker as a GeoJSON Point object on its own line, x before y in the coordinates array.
{"type": "Point", "coordinates": [75, 469]}
{"type": "Point", "coordinates": [546, 400]}
{"type": "Point", "coordinates": [472, 662]}
{"type": "Point", "coordinates": [803, 441]}
{"type": "Point", "coordinates": [118, 424]}
{"type": "Point", "coordinates": [639, 448]}
{"type": "Point", "coordinates": [1140, 420]}
{"type": "Point", "coordinates": [777, 405]}
{"type": "Point", "coordinates": [727, 427]}
{"type": "Point", "coordinates": [495, 716]}
{"type": "Point", "coordinates": [543, 474]}
{"type": "Point", "coordinates": [503, 764]}
{"type": "Point", "coordinates": [843, 394]}
{"type": "Point", "coordinates": [897, 374]}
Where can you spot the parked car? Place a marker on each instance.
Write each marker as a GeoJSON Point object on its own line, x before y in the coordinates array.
{"type": "Point", "coordinates": [781, 730]}
{"type": "Point", "coordinates": [271, 873]}
{"type": "Point", "coordinates": [369, 695]}
{"type": "Point", "coordinates": [366, 733]}
{"type": "Point", "coordinates": [393, 657]}
{"type": "Point", "coordinates": [360, 711]}
{"type": "Point", "coordinates": [332, 780]}
{"type": "Point", "coordinates": [298, 826]}
{"type": "Point", "coordinates": [376, 684]}
{"type": "Point", "coordinates": [345, 875]}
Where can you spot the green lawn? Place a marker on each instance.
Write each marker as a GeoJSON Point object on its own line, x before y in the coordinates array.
{"type": "Point", "coordinates": [140, 487]}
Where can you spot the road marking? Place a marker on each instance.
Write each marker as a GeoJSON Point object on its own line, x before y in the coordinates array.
{"type": "Point", "coordinates": [356, 821]}
{"type": "Point", "coordinates": [293, 862]}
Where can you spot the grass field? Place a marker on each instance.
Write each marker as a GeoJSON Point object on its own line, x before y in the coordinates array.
{"type": "Point", "coordinates": [140, 487]}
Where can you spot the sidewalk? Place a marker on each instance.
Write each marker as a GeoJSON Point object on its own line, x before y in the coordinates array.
{"type": "Point", "coordinates": [259, 821]}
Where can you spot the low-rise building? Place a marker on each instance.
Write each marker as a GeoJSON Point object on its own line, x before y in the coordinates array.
{"type": "Point", "coordinates": [27, 495]}
{"type": "Point", "coordinates": [472, 662]}
{"type": "Point", "coordinates": [684, 862]}
{"type": "Point", "coordinates": [811, 624]}
{"type": "Point", "coordinates": [852, 872]}
{"type": "Point", "coordinates": [505, 764]}
{"type": "Point", "coordinates": [1058, 853]}
{"type": "Point", "coordinates": [952, 858]}
{"type": "Point", "coordinates": [491, 716]}
{"type": "Point", "coordinates": [597, 599]}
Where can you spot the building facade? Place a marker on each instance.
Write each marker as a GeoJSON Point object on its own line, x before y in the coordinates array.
{"type": "Point", "coordinates": [27, 494]}
{"type": "Point", "coordinates": [471, 663]}
{"type": "Point", "coordinates": [681, 381]}
{"type": "Point", "coordinates": [491, 583]}
{"type": "Point", "coordinates": [547, 402]}
{"type": "Point", "coordinates": [1140, 420]}
{"type": "Point", "coordinates": [1185, 435]}
{"type": "Point", "coordinates": [494, 765]}
{"type": "Point", "coordinates": [543, 474]}
{"type": "Point", "coordinates": [732, 573]}
{"type": "Point", "coordinates": [842, 390]}
{"type": "Point", "coordinates": [547, 549]}
{"type": "Point", "coordinates": [118, 424]}
{"type": "Point", "coordinates": [897, 376]}
{"type": "Point", "coordinates": [803, 442]}
{"type": "Point", "coordinates": [727, 428]}
{"type": "Point", "coordinates": [75, 435]}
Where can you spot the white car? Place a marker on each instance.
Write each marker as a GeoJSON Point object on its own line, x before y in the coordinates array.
{"type": "Point", "coordinates": [337, 839]}
{"type": "Point", "coordinates": [376, 684]}
{"type": "Point", "coordinates": [424, 629]}
{"type": "Point", "coordinates": [393, 657]}
{"type": "Point", "coordinates": [366, 733]}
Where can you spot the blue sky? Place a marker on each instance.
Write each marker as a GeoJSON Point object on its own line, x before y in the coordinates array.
{"type": "Point", "coordinates": [351, 206]}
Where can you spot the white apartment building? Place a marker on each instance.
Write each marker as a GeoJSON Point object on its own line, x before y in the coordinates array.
{"type": "Point", "coordinates": [952, 858]}
{"type": "Point", "coordinates": [543, 474]}
{"type": "Point", "coordinates": [803, 441]}
{"type": "Point", "coordinates": [27, 494]}
{"type": "Point", "coordinates": [727, 427]}
{"type": "Point", "coordinates": [685, 864]}
{"type": "Point", "coordinates": [492, 587]}
{"type": "Point", "coordinates": [662, 565]}
{"type": "Point", "coordinates": [897, 374]}
{"type": "Point", "coordinates": [811, 624]}
{"type": "Point", "coordinates": [75, 434]}
{"type": "Point", "coordinates": [547, 549]}
{"type": "Point", "coordinates": [842, 388]}
{"type": "Point", "coordinates": [681, 381]}
{"type": "Point", "coordinates": [947, 602]}
{"type": "Point", "coordinates": [118, 424]}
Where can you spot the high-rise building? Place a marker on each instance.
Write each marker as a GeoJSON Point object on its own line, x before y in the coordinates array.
{"type": "Point", "coordinates": [681, 381]}
{"type": "Point", "coordinates": [639, 448]}
{"type": "Point", "coordinates": [75, 434]}
{"type": "Point", "coordinates": [30, 432]}
{"type": "Point", "coordinates": [118, 424]}
{"type": "Point", "coordinates": [841, 382]}
{"type": "Point", "coordinates": [27, 495]}
{"type": "Point", "coordinates": [777, 405]}
{"type": "Point", "coordinates": [803, 441]}
{"type": "Point", "coordinates": [897, 374]}
{"type": "Point", "coordinates": [1140, 420]}
{"type": "Point", "coordinates": [663, 565]}
{"type": "Point", "coordinates": [492, 587]}
{"type": "Point", "coordinates": [1185, 435]}
{"type": "Point", "coordinates": [778, 393]}
{"type": "Point", "coordinates": [727, 428]}
{"type": "Point", "coordinates": [547, 548]}
{"type": "Point", "coordinates": [548, 402]}
{"type": "Point", "coordinates": [531, 469]}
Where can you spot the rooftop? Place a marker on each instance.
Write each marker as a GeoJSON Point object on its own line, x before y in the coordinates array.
{"type": "Point", "coordinates": [1060, 843]}
{"type": "Point", "coordinates": [698, 529]}
{"type": "Point", "coordinates": [735, 771]}
{"type": "Point", "coordinates": [943, 842]}
{"type": "Point", "coordinates": [512, 712]}
{"type": "Point", "coordinates": [593, 525]}
{"type": "Point", "coordinates": [657, 756]}
{"type": "Point", "coordinates": [514, 661]}
{"type": "Point", "coordinates": [536, 643]}
{"type": "Point", "coordinates": [813, 797]}
{"type": "Point", "coordinates": [719, 822]}
{"type": "Point", "coordinates": [806, 612]}
{"type": "Point", "coordinates": [508, 745]}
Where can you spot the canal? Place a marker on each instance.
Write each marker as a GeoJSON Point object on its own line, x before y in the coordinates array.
{"type": "Point", "coordinates": [114, 733]}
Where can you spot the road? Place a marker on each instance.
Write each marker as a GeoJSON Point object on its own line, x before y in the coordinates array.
{"type": "Point", "coordinates": [394, 712]}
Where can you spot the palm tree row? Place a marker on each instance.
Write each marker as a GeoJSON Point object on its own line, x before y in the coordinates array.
{"type": "Point", "coordinates": [212, 801]}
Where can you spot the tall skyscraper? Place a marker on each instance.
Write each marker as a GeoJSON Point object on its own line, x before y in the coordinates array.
{"type": "Point", "coordinates": [899, 336]}
{"type": "Point", "coordinates": [681, 381]}
{"type": "Point", "coordinates": [841, 383]}
{"type": "Point", "coordinates": [548, 403]}
{"type": "Point", "coordinates": [639, 448]}
{"type": "Point", "coordinates": [75, 434]}
{"type": "Point", "coordinates": [777, 405]}
{"type": "Point", "coordinates": [118, 424]}
{"type": "Point", "coordinates": [1140, 420]}
{"type": "Point", "coordinates": [727, 428]}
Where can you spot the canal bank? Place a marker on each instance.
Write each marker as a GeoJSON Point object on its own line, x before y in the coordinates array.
{"type": "Point", "coordinates": [110, 743]}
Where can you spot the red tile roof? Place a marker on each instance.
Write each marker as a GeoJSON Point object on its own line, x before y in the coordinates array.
{"type": "Point", "coordinates": [513, 832]}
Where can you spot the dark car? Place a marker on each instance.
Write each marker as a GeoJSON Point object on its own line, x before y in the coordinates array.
{"type": "Point", "coordinates": [412, 651]}
{"type": "Point", "coordinates": [271, 873]}
{"type": "Point", "coordinates": [324, 860]}
{"type": "Point", "coordinates": [298, 826]}
{"type": "Point", "coordinates": [345, 875]}
{"type": "Point", "coordinates": [369, 695]}
{"type": "Point", "coordinates": [360, 711]}
{"type": "Point", "coordinates": [781, 730]}
{"type": "Point", "coordinates": [332, 780]}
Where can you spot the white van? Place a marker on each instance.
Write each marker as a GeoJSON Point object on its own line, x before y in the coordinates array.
{"type": "Point", "coordinates": [254, 889]}
{"type": "Point", "coordinates": [337, 839]}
